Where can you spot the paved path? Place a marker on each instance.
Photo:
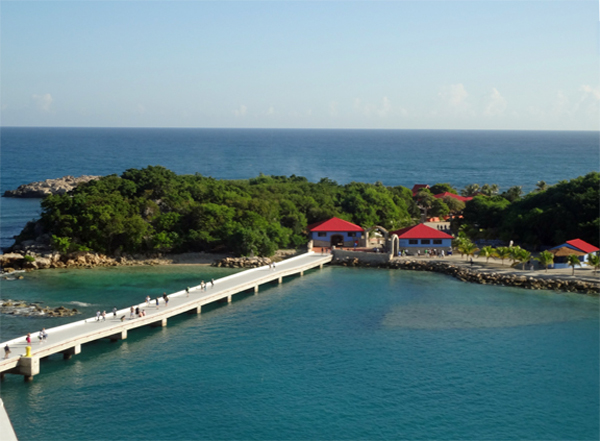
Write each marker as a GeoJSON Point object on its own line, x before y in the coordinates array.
{"type": "Point", "coordinates": [67, 339]}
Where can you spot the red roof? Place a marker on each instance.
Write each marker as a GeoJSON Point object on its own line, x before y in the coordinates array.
{"type": "Point", "coordinates": [452, 195]}
{"type": "Point", "coordinates": [334, 224]}
{"type": "Point", "coordinates": [421, 231]}
{"type": "Point", "coordinates": [418, 187]}
{"type": "Point", "coordinates": [583, 246]}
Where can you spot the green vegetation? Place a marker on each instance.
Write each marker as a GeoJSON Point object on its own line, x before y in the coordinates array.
{"type": "Point", "coordinates": [545, 258]}
{"type": "Point", "coordinates": [155, 210]}
{"type": "Point", "coordinates": [561, 212]}
{"type": "Point", "coordinates": [573, 261]}
{"type": "Point", "coordinates": [593, 261]}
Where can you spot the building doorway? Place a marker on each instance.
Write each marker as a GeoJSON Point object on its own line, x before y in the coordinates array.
{"type": "Point", "coordinates": [337, 240]}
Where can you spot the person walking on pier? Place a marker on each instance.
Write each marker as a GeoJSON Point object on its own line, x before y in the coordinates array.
{"type": "Point", "coordinates": [187, 291]}
{"type": "Point", "coordinates": [131, 311]}
{"type": "Point", "coordinates": [157, 304]}
{"type": "Point", "coordinates": [40, 337]}
{"type": "Point", "coordinates": [166, 301]}
{"type": "Point", "coordinates": [115, 312]}
{"type": "Point", "coordinates": [6, 351]}
{"type": "Point", "coordinates": [147, 300]}
{"type": "Point", "coordinates": [98, 315]}
{"type": "Point", "coordinates": [137, 311]}
{"type": "Point", "coordinates": [44, 335]}
{"type": "Point", "coordinates": [212, 282]}
{"type": "Point", "coordinates": [28, 338]}
{"type": "Point", "coordinates": [103, 316]}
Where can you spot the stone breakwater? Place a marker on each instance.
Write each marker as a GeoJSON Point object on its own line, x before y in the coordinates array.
{"type": "Point", "coordinates": [42, 189]}
{"type": "Point", "coordinates": [12, 262]}
{"type": "Point", "coordinates": [242, 262]}
{"type": "Point", "coordinates": [481, 277]}
{"type": "Point", "coordinates": [23, 308]}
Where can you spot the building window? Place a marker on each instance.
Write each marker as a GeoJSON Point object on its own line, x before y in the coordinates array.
{"type": "Point", "coordinates": [321, 234]}
{"type": "Point", "coordinates": [425, 241]}
{"type": "Point", "coordinates": [351, 234]}
{"type": "Point", "coordinates": [437, 241]}
{"type": "Point", "coordinates": [413, 242]}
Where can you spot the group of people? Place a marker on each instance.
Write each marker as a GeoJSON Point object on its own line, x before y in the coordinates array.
{"type": "Point", "coordinates": [433, 252]}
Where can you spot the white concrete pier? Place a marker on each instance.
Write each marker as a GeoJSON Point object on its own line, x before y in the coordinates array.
{"type": "Point", "coordinates": [68, 339]}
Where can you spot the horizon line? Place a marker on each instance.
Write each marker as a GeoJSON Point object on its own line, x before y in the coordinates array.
{"type": "Point", "coordinates": [296, 128]}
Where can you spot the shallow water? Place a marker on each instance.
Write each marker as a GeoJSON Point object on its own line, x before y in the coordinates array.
{"type": "Point", "coordinates": [337, 354]}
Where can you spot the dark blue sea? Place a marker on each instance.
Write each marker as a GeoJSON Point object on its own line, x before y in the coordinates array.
{"type": "Point", "coordinates": [339, 354]}
{"type": "Point", "coordinates": [394, 157]}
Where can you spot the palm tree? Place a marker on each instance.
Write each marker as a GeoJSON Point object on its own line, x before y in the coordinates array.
{"type": "Point", "coordinates": [593, 261]}
{"type": "Point", "coordinates": [489, 190]}
{"type": "Point", "coordinates": [486, 252]}
{"type": "Point", "coordinates": [470, 190]}
{"type": "Point", "coordinates": [541, 186]}
{"type": "Point", "coordinates": [573, 261]}
{"type": "Point", "coordinates": [523, 256]}
{"type": "Point", "coordinates": [502, 253]}
{"type": "Point", "coordinates": [545, 258]}
{"type": "Point", "coordinates": [468, 248]}
{"type": "Point", "coordinates": [513, 254]}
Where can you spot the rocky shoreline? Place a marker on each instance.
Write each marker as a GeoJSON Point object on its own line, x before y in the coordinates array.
{"type": "Point", "coordinates": [483, 278]}
{"type": "Point", "coordinates": [42, 189]}
{"type": "Point", "coordinates": [25, 309]}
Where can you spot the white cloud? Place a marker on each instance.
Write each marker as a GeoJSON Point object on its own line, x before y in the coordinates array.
{"type": "Point", "coordinates": [42, 102]}
{"type": "Point", "coordinates": [591, 92]}
{"type": "Point", "coordinates": [333, 108]}
{"type": "Point", "coordinates": [271, 111]}
{"type": "Point", "coordinates": [386, 107]}
{"type": "Point", "coordinates": [455, 95]}
{"type": "Point", "coordinates": [496, 104]}
{"type": "Point", "coordinates": [383, 110]}
{"type": "Point", "coordinates": [241, 111]}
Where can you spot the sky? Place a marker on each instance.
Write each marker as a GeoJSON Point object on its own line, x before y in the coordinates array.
{"type": "Point", "coordinates": [522, 65]}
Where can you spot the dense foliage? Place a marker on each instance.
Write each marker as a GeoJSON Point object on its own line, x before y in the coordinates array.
{"type": "Point", "coordinates": [154, 209]}
{"type": "Point", "coordinates": [549, 216]}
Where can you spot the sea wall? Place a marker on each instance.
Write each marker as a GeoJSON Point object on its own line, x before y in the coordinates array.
{"type": "Point", "coordinates": [477, 276]}
{"type": "Point", "coordinates": [371, 259]}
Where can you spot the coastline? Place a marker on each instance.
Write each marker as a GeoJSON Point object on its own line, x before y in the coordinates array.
{"type": "Point", "coordinates": [488, 273]}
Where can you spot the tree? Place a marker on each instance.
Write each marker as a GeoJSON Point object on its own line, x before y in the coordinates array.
{"type": "Point", "coordinates": [489, 190]}
{"type": "Point", "coordinates": [470, 190]}
{"type": "Point", "coordinates": [513, 194]}
{"type": "Point", "coordinates": [468, 248]}
{"type": "Point", "coordinates": [545, 258]}
{"type": "Point", "coordinates": [487, 252]}
{"type": "Point", "coordinates": [425, 200]}
{"type": "Point", "coordinates": [442, 188]}
{"type": "Point", "coordinates": [573, 261]}
{"type": "Point", "coordinates": [454, 205]}
{"type": "Point", "coordinates": [514, 253]}
{"type": "Point", "coordinates": [593, 261]}
{"type": "Point", "coordinates": [541, 186]}
{"type": "Point", "coordinates": [502, 253]}
{"type": "Point", "coordinates": [523, 256]}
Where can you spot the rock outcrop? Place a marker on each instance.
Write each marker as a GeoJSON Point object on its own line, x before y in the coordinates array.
{"type": "Point", "coordinates": [42, 189]}
{"type": "Point", "coordinates": [242, 262]}
{"type": "Point", "coordinates": [25, 309]}
{"type": "Point", "coordinates": [483, 278]}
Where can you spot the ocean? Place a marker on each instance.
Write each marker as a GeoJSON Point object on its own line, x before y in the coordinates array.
{"type": "Point", "coordinates": [340, 353]}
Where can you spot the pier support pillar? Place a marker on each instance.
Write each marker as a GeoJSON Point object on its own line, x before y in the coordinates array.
{"type": "Point", "coordinates": [71, 351]}
{"type": "Point", "coordinates": [119, 336]}
{"type": "Point", "coordinates": [159, 324]}
{"type": "Point", "coordinates": [195, 310]}
{"type": "Point", "coordinates": [280, 280]}
{"type": "Point", "coordinates": [228, 299]}
{"type": "Point", "coordinates": [301, 273]}
{"type": "Point", "coordinates": [28, 367]}
{"type": "Point", "coordinates": [255, 289]}
{"type": "Point", "coordinates": [321, 266]}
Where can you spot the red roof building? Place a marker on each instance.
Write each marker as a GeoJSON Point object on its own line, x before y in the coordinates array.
{"type": "Point", "coordinates": [452, 195]}
{"type": "Point", "coordinates": [334, 224]}
{"type": "Point", "coordinates": [421, 231]}
{"type": "Point", "coordinates": [578, 245]}
{"type": "Point", "coordinates": [336, 232]}
{"type": "Point", "coordinates": [418, 187]}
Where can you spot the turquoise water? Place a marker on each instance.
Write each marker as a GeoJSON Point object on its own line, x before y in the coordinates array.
{"type": "Point", "coordinates": [338, 354]}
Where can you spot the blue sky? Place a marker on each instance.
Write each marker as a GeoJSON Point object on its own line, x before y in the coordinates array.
{"type": "Point", "coordinates": [305, 64]}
